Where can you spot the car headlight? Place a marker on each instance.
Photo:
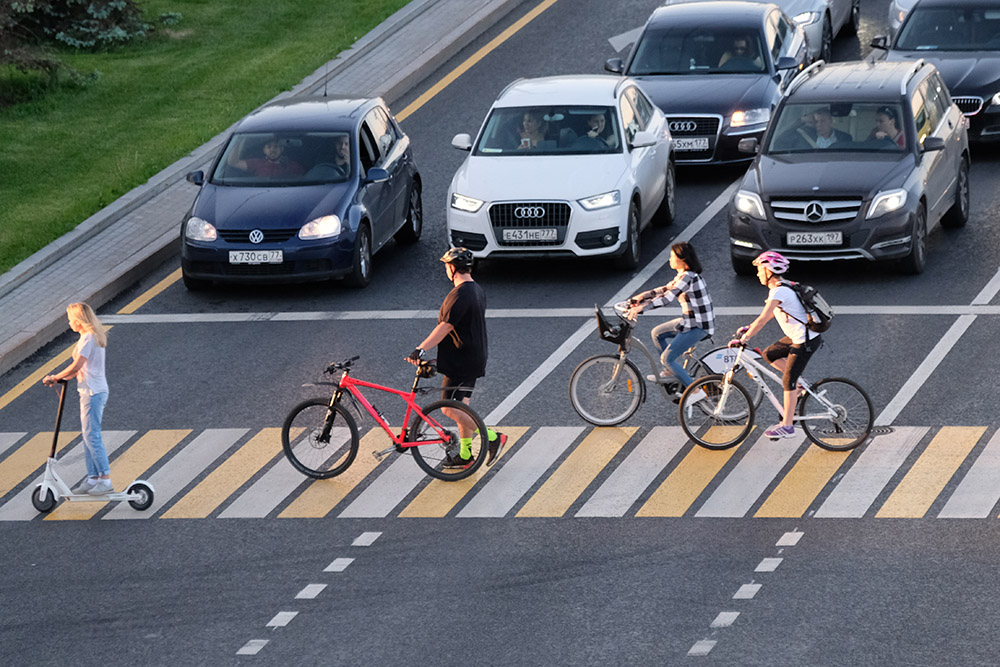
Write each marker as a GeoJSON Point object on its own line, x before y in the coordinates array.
{"type": "Point", "coordinates": [750, 117]}
{"type": "Point", "coordinates": [200, 230]}
{"type": "Point", "coordinates": [806, 18]}
{"type": "Point", "coordinates": [886, 202]}
{"type": "Point", "coordinates": [467, 204]}
{"type": "Point", "coordinates": [320, 228]}
{"type": "Point", "coordinates": [601, 201]}
{"type": "Point", "coordinates": [995, 101]}
{"type": "Point", "coordinates": [750, 204]}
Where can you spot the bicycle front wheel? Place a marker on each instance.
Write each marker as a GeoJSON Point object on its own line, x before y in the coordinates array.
{"type": "Point", "coordinates": [841, 418]}
{"type": "Point", "coordinates": [605, 390]}
{"type": "Point", "coordinates": [441, 453]}
{"type": "Point", "coordinates": [320, 441]}
{"type": "Point", "coordinates": [722, 358]}
{"type": "Point", "coordinates": [715, 414]}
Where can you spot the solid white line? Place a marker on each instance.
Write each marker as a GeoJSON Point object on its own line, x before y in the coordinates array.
{"type": "Point", "coordinates": [924, 370]}
{"type": "Point", "coordinates": [365, 539]}
{"type": "Point", "coordinates": [702, 647]}
{"type": "Point", "coordinates": [310, 592]}
{"type": "Point", "coordinates": [281, 619]}
{"type": "Point", "coordinates": [747, 591]}
{"type": "Point", "coordinates": [769, 565]}
{"type": "Point", "coordinates": [988, 292]}
{"type": "Point", "coordinates": [725, 619]}
{"type": "Point", "coordinates": [339, 565]}
{"type": "Point", "coordinates": [789, 539]}
{"type": "Point", "coordinates": [252, 647]}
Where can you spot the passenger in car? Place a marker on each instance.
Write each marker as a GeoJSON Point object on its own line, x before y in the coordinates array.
{"type": "Point", "coordinates": [886, 127]}
{"type": "Point", "coordinates": [274, 163]}
{"type": "Point", "coordinates": [532, 130]}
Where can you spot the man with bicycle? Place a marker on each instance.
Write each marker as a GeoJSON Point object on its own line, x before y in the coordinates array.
{"type": "Point", "coordinates": [790, 354]}
{"type": "Point", "coordinates": [460, 336]}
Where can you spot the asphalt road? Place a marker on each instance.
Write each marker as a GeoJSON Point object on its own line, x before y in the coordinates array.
{"type": "Point", "coordinates": [517, 590]}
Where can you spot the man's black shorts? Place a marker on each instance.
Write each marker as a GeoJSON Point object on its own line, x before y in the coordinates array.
{"type": "Point", "coordinates": [456, 389]}
{"type": "Point", "coordinates": [798, 356]}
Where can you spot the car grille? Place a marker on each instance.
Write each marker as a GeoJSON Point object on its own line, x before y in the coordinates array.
{"type": "Point", "coordinates": [682, 127]}
{"type": "Point", "coordinates": [816, 211]}
{"type": "Point", "coordinates": [530, 215]}
{"type": "Point", "coordinates": [970, 106]}
{"type": "Point", "coordinates": [270, 235]}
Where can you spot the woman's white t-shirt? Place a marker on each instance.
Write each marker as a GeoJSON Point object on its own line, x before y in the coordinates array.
{"type": "Point", "coordinates": [789, 305]}
{"type": "Point", "coordinates": [90, 379]}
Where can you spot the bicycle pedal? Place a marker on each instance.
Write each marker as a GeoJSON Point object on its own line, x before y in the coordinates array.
{"type": "Point", "coordinates": [378, 455]}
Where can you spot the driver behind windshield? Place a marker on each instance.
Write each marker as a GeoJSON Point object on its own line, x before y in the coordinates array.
{"type": "Point", "coordinates": [272, 163]}
{"type": "Point", "coordinates": [740, 54]}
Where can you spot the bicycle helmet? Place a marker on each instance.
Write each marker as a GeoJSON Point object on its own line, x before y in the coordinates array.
{"type": "Point", "coordinates": [775, 261]}
{"type": "Point", "coordinates": [459, 257]}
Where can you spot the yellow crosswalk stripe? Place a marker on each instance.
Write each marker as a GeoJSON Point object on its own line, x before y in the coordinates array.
{"type": "Point", "coordinates": [802, 484]}
{"type": "Point", "coordinates": [931, 473]}
{"type": "Point", "coordinates": [686, 482]}
{"type": "Point", "coordinates": [577, 472]}
{"type": "Point", "coordinates": [439, 497]}
{"type": "Point", "coordinates": [320, 497]}
{"type": "Point", "coordinates": [133, 462]}
{"type": "Point", "coordinates": [222, 482]}
{"type": "Point", "coordinates": [29, 457]}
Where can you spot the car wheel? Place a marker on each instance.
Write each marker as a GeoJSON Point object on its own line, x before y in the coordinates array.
{"type": "Point", "coordinates": [826, 48]}
{"type": "Point", "coordinates": [915, 261]}
{"type": "Point", "coordinates": [668, 207]}
{"type": "Point", "coordinates": [958, 214]}
{"type": "Point", "coordinates": [629, 258]}
{"type": "Point", "coordinates": [361, 269]}
{"type": "Point", "coordinates": [742, 266]}
{"type": "Point", "coordinates": [194, 284]}
{"type": "Point", "coordinates": [854, 22]}
{"type": "Point", "coordinates": [410, 231]}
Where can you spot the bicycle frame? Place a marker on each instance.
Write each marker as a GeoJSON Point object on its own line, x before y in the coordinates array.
{"type": "Point", "coordinates": [748, 362]}
{"type": "Point", "coordinates": [352, 385]}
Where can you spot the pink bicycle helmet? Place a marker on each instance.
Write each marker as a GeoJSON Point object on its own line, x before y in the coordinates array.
{"type": "Point", "coordinates": [775, 261]}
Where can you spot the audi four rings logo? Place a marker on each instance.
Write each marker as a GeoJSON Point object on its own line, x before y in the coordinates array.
{"type": "Point", "coordinates": [256, 236]}
{"type": "Point", "coordinates": [815, 211]}
{"type": "Point", "coordinates": [683, 126]}
{"type": "Point", "coordinates": [529, 212]}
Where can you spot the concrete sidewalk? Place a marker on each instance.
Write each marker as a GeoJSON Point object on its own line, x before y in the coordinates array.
{"type": "Point", "coordinates": [116, 246]}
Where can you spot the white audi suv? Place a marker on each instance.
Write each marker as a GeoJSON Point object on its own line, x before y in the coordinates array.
{"type": "Point", "coordinates": [566, 165]}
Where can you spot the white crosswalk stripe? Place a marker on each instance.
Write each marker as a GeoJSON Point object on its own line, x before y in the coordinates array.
{"type": "Point", "coordinates": [979, 491]}
{"type": "Point", "coordinates": [7, 440]}
{"type": "Point", "coordinates": [387, 490]}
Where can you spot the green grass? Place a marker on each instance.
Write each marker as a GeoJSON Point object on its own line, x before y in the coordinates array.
{"type": "Point", "coordinates": [72, 151]}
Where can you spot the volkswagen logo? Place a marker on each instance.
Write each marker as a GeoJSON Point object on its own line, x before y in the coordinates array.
{"type": "Point", "coordinates": [529, 212]}
{"type": "Point", "coordinates": [815, 211]}
{"type": "Point", "coordinates": [256, 236]}
{"type": "Point", "coordinates": [683, 126]}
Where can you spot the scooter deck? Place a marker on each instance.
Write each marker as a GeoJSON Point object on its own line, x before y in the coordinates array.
{"type": "Point", "coordinates": [118, 496]}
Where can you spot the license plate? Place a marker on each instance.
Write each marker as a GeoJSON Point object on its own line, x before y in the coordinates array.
{"type": "Point", "coordinates": [691, 144]}
{"type": "Point", "coordinates": [529, 235]}
{"type": "Point", "coordinates": [256, 256]}
{"type": "Point", "coordinates": [815, 238]}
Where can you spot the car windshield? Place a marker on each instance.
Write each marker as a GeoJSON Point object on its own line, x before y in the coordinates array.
{"type": "Point", "coordinates": [698, 50]}
{"type": "Point", "coordinates": [838, 127]}
{"type": "Point", "coordinates": [951, 29]}
{"type": "Point", "coordinates": [579, 130]}
{"type": "Point", "coordinates": [268, 159]}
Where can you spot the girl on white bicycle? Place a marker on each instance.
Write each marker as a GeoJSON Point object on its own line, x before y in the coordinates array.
{"type": "Point", "coordinates": [696, 323]}
{"type": "Point", "coordinates": [790, 354]}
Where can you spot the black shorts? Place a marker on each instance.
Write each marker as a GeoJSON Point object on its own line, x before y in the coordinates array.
{"type": "Point", "coordinates": [457, 389]}
{"type": "Point", "coordinates": [797, 355]}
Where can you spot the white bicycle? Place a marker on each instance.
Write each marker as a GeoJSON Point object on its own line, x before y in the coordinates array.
{"type": "Point", "coordinates": [717, 412]}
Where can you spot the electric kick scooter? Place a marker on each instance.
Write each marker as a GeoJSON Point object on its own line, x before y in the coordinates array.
{"type": "Point", "coordinates": [139, 493]}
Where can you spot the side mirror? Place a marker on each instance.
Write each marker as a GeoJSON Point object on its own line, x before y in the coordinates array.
{"type": "Point", "coordinates": [880, 42]}
{"type": "Point", "coordinates": [786, 62]}
{"type": "Point", "coordinates": [462, 142]}
{"type": "Point", "coordinates": [643, 139]}
{"type": "Point", "coordinates": [196, 177]}
{"type": "Point", "coordinates": [377, 175]}
{"type": "Point", "coordinates": [933, 144]}
{"type": "Point", "coordinates": [748, 145]}
{"type": "Point", "coordinates": [614, 65]}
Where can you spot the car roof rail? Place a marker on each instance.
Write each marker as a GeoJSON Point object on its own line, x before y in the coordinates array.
{"type": "Point", "coordinates": [910, 74]}
{"type": "Point", "coordinates": [803, 76]}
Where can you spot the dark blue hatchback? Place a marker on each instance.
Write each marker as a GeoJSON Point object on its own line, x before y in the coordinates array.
{"type": "Point", "coordinates": [303, 190]}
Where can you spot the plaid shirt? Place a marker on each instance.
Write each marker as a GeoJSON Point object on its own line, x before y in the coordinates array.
{"type": "Point", "coordinates": [690, 290]}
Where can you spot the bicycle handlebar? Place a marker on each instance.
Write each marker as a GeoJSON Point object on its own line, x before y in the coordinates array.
{"type": "Point", "coordinates": [341, 365]}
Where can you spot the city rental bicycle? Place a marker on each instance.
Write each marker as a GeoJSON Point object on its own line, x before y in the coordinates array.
{"type": "Point", "coordinates": [607, 389]}
{"type": "Point", "coordinates": [717, 412]}
{"type": "Point", "coordinates": [320, 436]}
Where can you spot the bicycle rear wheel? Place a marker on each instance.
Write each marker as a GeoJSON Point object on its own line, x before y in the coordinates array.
{"type": "Point", "coordinates": [319, 441]}
{"type": "Point", "coordinates": [601, 396]}
{"type": "Point", "coordinates": [849, 419]}
{"type": "Point", "coordinates": [439, 433]}
{"type": "Point", "coordinates": [715, 414]}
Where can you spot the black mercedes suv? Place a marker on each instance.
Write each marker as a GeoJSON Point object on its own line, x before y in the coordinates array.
{"type": "Point", "coordinates": [860, 161]}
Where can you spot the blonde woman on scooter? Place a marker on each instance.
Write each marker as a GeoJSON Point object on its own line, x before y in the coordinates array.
{"type": "Point", "coordinates": [87, 367]}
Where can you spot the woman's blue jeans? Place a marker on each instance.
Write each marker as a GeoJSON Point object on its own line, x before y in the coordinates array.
{"type": "Point", "coordinates": [91, 414]}
{"type": "Point", "coordinates": [673, 344]}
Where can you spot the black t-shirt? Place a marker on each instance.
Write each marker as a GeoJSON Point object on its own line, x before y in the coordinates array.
{"type": "Point", "coordinates": [462, 354]}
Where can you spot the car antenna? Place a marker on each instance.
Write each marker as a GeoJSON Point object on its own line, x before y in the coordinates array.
{"type": "Point", "coordinates": [326, 78]}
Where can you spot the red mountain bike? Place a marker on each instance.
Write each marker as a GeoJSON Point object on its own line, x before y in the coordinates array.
{"type": "Point", "coordinates": [320, 437]}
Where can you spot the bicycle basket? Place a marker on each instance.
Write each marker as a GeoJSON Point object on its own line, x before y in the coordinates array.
{"type": "Point", "coordinates": [616, 334]}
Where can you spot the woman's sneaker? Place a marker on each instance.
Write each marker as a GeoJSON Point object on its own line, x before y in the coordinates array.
{"type": "Point", "coordinates": [100, 487]}
{"type": "Point", "coordinates": [779, 431]}
{"type": "Point", "coordinates": [83, 487]}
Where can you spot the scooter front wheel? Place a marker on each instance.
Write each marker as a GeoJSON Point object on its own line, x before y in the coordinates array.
{"type": "Point", "coordinates": [145, 493]}
{"type": "Point", "coordinates": [41, 504]}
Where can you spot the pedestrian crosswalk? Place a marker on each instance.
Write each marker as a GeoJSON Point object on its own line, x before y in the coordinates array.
{"type": "Point", "coordinates": [549, 471]}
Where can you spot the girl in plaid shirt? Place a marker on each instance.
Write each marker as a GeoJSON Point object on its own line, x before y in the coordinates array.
{"type": "Point", "coordinates": [696, 323]}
